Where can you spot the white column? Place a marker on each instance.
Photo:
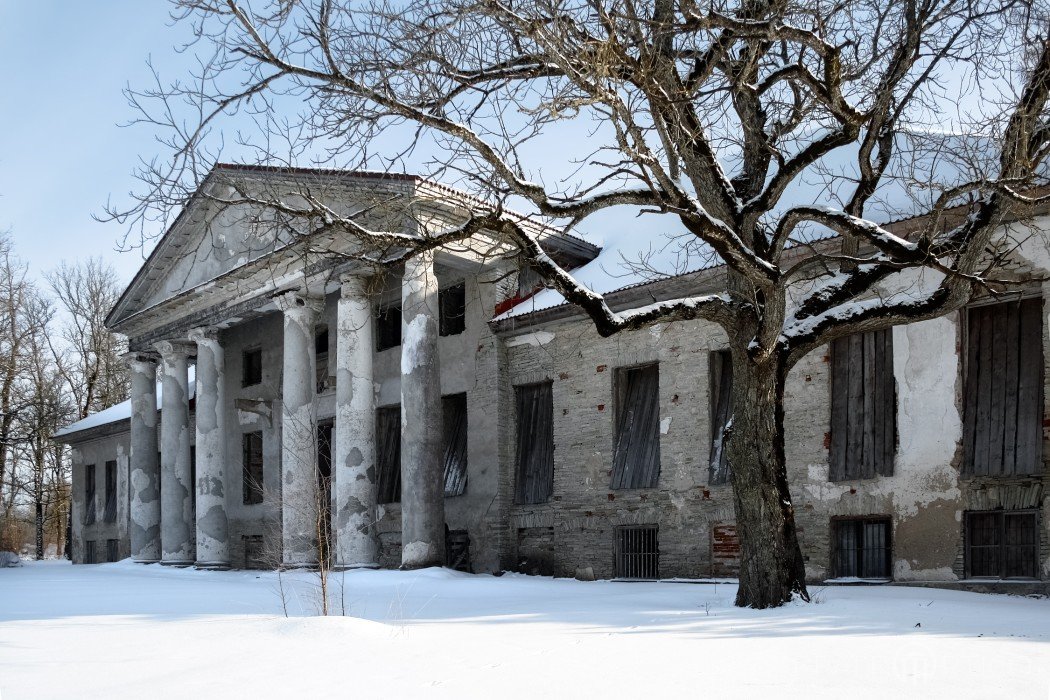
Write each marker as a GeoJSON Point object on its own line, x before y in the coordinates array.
{"type": "Point", "coordinates": [422, 490]}
{"type": "Point", "coordinates": [300, 493]}
{"type": "Point", "coordinates": [176, 492]}
{"type": "Point", "coordinates": [354, 460]}
{"type": "Point", "coordinates": [213, 539]}
{"type": "Point", "coordinates": [144, 526]}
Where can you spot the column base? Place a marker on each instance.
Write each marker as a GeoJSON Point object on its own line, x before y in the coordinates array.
{"type": "Point", "coordinates": [176, 564]}
{"type": "Point", "coordinates": [212, 565]}
{"type": "Point", "coordinates": [145, 561]}
{"type": "Point", "coordinates": [354, 567]}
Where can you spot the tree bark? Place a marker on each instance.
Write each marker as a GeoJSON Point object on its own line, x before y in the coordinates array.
{"type": "Point", "coordinates": [772, 570]}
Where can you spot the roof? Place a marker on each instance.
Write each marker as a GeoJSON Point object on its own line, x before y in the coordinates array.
{"type": "Point", "coordinates": [88, 427]}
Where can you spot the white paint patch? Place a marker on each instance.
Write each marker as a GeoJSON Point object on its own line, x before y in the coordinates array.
{"type": "Point", "coordinates": [534, 339]}
{"type": "Point", "coordinates": [412, 344]}
{"type": "Point", "coordinates": [665, 425]}
{"type": "Point", "coordinates": [656, 330]}
{"type": "Point", "coordinates": [416, 552]}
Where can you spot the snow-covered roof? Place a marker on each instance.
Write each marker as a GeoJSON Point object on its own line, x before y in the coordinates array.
{"type": "Point", "coordinates": [113, 414]}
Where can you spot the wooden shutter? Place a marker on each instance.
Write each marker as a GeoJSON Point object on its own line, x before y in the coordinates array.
{"type": "Point", "coordinates": [535, 447]}
{"type": "Point", "coordinates": [721, 374]}
{"type": "Point", "coordinates": [110, 514]}
{"type": "Point", "coordinates": [89, 494]}
{"type": "Point", "coordinates": [1002, 433]}
{"type": "Point", "coordinates": [636, 460]}
{"type": "Point", "coordinates": [454, 415]}
{"type": "Point", "coordinates": [863, 406]}
{"type": "Point", "coordinates": [252, 468]}
{"type": "Point", "coordinates": [388, 454]}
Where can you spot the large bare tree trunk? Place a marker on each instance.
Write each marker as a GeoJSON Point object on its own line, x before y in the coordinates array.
{"type": "Point", "coordinates": [771, 567]}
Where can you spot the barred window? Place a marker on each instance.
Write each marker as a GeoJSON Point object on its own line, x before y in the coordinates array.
{"type": "Point", "coordinates": [535, 445]}
{"type": "Point", "coordinates": [861, 548]}
{"type": "Point", "coordinates": [388, 454]}
{"type": "Point", "coordinates": [636, 459]}
{"type": "Point", "coordinates": [252, 468]}
{"type": "Point", "coordinates": [637, 552]}
{"type": "Point", "coordinates": [863, 406]}
{"type": "Point", "coordinates": [1002, 544]}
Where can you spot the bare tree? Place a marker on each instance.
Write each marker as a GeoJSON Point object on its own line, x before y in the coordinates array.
{"type": "Point", "coordinates": [707, 115]}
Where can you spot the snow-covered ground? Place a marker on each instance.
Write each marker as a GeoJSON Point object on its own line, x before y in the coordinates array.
{"type": "Point", "coordinates": [128, 631]}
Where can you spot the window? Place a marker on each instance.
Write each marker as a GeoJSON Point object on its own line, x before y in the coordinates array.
{"type": "Point", "coordinates": [721, 377]}
{"type": "Point", "coordinates": [388, 454]}
{"type": "Point", "coordinates": [1002, 544]}
{"type": "Point", "coordinates": [863, 406]}
{"type": "Point", "coordinates": [112, 550]}
{"type": "Point", "coordinates": [388, 327]}
{"type": "Point", "coordinates": [252, 367]}
{"type": "Point", "coordinates": [452, 305]}
{"type": "Point", "coordinates": [110, 513]}
{"type": "Point", "coordinates": [637, 552]}
{"type": "Point", "coordinates": [636, 460]}
{"type": "Point", "coordinates": [860, 548]}
{"type": "Point", "coordinates": [321, 351]}
{"type": "Point", "coordinates": [252, 468]}
{"type": "Point", "coordinates": [535, 447]}
{"type": "Point", "coordinates": [254, 554]}
{"type": "Point", "coordinates": [454, 413]}
{"type": "Point", "coordinates": [1002, 431]}
{"type": "Point", "coordinates": [89, 494]}
{"type": "Point", "coordinates": [89, 552]}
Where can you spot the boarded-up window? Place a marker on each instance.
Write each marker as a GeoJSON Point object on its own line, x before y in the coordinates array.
{"type": "Point", "coordinates": [388, 454]}
{"type": "Point", "coordinates": [89, 494]}
{"type": "Point", "coordinates": [1002, 544]}
{"type": "Point", "coordinates": [90, 555]}
{"type": "Point", "coordinates": [860, 548]}
{"type": "Point", "coordinates": [454, 410]}
{"type": "Point", "coordinates": [1002, 432]}
{"type": "Point", "coordinates": [388, 327]}
{"type": "Point", "coordinates": [535, 447]}
{"type": "Point", "coordinates": [252, 468]}
{"type": "Point", "coordinates": [251, 367]}
{"type": "Point", "coordinates": [721, 376]}
{"type": "Point", "coordinates": [452, 305]}
{"type": "Point", "coordinates": [112, 550]}
{"type": "Point", "coordinates": [109, 515]}
{"type": "Point", "coordinates": [863, 406]}
{"type": "Point", "coordinates": [637, 552]}
{"type": "Point", "coordinates": [636, 459]}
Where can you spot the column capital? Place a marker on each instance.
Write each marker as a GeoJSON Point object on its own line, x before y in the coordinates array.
{"type": "Point", "coordinates": [175, 347]}
{"type": "Point", "coordinates": [296, 299]}
{"type": "Point", "coordinates": [204, 334]}
{"type": "Point", "coordinates": [354, 284]}
{"type": "Point", "coordinates": [140, 357]}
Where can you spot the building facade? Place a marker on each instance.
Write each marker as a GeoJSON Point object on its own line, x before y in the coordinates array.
{"type": "Point", "coordinates": [325, 398]}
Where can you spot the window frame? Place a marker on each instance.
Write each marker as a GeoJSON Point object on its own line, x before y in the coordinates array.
{"type": "Point", "coordinates": [860, 520]}
{"type": "Point", "coordinates": [385, 325]}
{"type": "Point", "coordinates": [450, 324]}
{"type": "Point", "coordinates": [1001, 545]}
{"type": "Point", "coordinates": [388, 482]}
{"type": "Point", "coordinates": [628, 479]}
{"type": "Point", "coordinates": [90, 490]}
{"type": "Point", "coordinates": [455, 484]}
{"type": "Point", "coordinates": [109, 512]}
{"type": "Point", "coordinates": [524, 455]}
{"type": "Point", "coordinates": [251, 370]}
{"type": "Point", "coordinates": [636, 562]}
{"type": "Point", "coordinates": [252, 489]}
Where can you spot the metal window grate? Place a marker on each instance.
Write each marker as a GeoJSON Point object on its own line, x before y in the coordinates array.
{"type": "Point", "coordinates": [112, 550]}
{"type": "Point", "coordinates": [862, 548]}
{"type": "Point", "coordinates": [1002, 544]}
{"type": "Point", "coordinates": [638, 552]}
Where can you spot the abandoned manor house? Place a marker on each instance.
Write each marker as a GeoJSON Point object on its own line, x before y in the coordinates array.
{"type": "Point", "coordinates": [288, 402]}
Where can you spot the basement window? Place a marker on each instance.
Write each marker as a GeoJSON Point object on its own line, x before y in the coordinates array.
{"type": "Point", "coordinates": [388, 327]}
{"type": "Point", "coordinates": [251, 367]}
{"type": "Point", "coordinates": [252, 468]}
{"type": "Point", "coordinates": [254, 554]}
{"type": "Point", "coordinates": [1002, 544]}
{"type": "Point", "coordinates": [860, 548]}
{"type": "Point", "coordinates": [112, 550]}
{"type": "Point", "coordinates": [388, 454]}
{"type": "Point", "coordinates": [89, 552]}
{"type": "Point", "coordinates": [454, 415]}
{"type": "Point", "coordinates": [863, 406]}
{"type": "Point", "coordinates": [109, 515]}
{"type": "Point", "coordinates": [89, 495]}
{"type": "Point", "coordinates": [1002, 431]}
{"type": "Point", "coordinates": [721, 378]}
{"type": "Point", "coordinates": [636, 459]}
{"type": "Point", "coordinates": [637, 552]}
{"type": "Point", "coordinates": [534, 480]}
{"type": "Point", "coordinates": [452, 305]}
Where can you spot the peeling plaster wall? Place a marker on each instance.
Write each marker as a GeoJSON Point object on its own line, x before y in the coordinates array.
{"type": "Point", "coordinates": [98, 452]}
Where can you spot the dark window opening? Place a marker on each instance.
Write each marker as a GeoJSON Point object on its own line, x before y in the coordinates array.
{"type": "Point", "coordinates": [863, 406]}
{"type": "Point", "coordinates": [860, 548]}
{"type": "Point", "coordinates": [637, 552]}
{"type": "Point", "coordinates": [89, 494]}
{"type": "Point", "coordinates": [254, 554]}
{"type": "Point", "coordinates": [636, 459]}
{"type": "Point", "coordinates": [457, 550]}
{"type": "Point", "coordinates": [535, 444]}
{"type": "Point", "coordinates": [252, 468]}
{"type": "Point", "coordinates": [388, 454]}
{"type": "Point", "coordinates": [321, 353]}
{"type": "Point", "coordinates": [1002, 544]}
{"type": "Point", "coordinates": [1002, 430]}
{"type": "Point", "coordinates": [721, 377]}
{"type": "Point", "coordinates": [110, 513]}
{"type": "Point", "coordinates": [252, 367]}
{"type": "Point", "coordinates": [112, 550]}
{"type": "Point", "coordinates": [90, 556]}
{"type": "Point", "coordinates": [388, 327]}
{"type": "Point", "coordinates": [454, 415]}
{"type": "Point", "coordinates": [452, 305]}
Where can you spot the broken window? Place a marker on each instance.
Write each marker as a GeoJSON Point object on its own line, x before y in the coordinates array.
{"type": "Point", "coordinates": [636, 459]}
{"type": "Point", "coordinates": [252, 468]}
{"type": "Point", "coordinates": [89, 552]}
{"type": "Point", "coordinates": [321, 353]}
{"type": "Point", "coordinates": [112, 550]}
{"type": "Point", "coordinates": [388, 454]}
{"type": "Point", "coordinates": [388, 327]}
{"type": "Point", "coordinates": [1002, 544]}
{"type": "Point", "coordinates": [1002, 433]}
{"type": "Point", "coordinates": [452, 305]}
{"type": "Point", "coordinates": [535, 447]}
{"type": "Point", "coordinates": [721, 375]}
{"type": "Point", "coordinates": [637, 552]}
{"type": "Point", "coordinates": [863, 406]}
{"type": "Point", "coordinates": [454, 413]}
{"type": "Point", "coordinates": [89, 494]}
{"type": "Point", "coordinates": [860, 548]}
{"type": "Point", "coordinates": [251, 363]}
{"type": "Point", "coordinates": [109, 515]}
